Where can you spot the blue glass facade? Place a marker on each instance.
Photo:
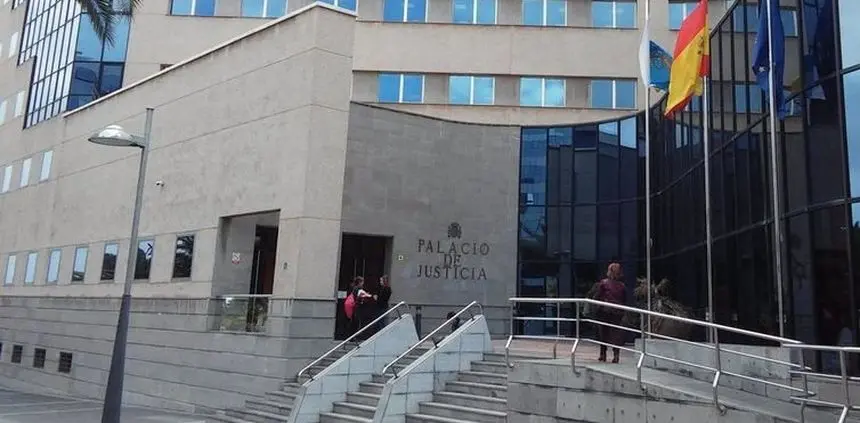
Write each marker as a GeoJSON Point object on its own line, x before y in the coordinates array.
{"type": "Point", "coordinates": [581, 201]}
{"type": "Point", "coordinates": [71, 65]}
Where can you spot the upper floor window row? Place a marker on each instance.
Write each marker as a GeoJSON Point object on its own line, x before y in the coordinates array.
{"type": "Point", "coordinates": [613, 14]}
{"type": "Point", "coordinates": [405, 10]}
{"type": "Point", "coordinates": [474, 11]}
{"type": "Point", "coordinates": [746, 19]}
{"type": "Point", "coordinates": [345, 4]}
{"type": "Point", "coordinates": [400, 88]}
{"type": "Point", "coordinates": [545, 12]}
{"type": "Point", "coordinates": [613, 94]}
{"type": "Point", "coordinates": [26, 172]}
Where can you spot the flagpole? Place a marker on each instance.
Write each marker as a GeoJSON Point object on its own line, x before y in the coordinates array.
{"type": "Point", "coordinates": [774, 163]}
{"type": "Point", "coordinates": [648, 240]}
{"type": "Point", "coordinates": [706, 145]}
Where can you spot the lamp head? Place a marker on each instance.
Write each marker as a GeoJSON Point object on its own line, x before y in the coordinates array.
{"type": "Point", "coordinates": [115, 136]}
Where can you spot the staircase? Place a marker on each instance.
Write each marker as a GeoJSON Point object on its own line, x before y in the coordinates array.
{"type": "Point", "coordinates": [275, 406]}
{"type": "Point", "coordinates": [478, 395]}
{"type": "Point", "coordinates": [360, 406]}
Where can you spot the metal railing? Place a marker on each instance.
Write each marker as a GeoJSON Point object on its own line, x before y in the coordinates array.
{"type": "Point", "coordinates": [843, 378]}
{"type": "Point", "coordinates": [367, 327]}
{"type": "Point", "coordinates": [430, 337]}
{"type": "Point", "coordinates": [242, 312]}
{"type": "Point", "coordinates": [643, 353]}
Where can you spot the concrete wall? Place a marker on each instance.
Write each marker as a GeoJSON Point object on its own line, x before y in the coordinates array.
{"type": "Point", "coordinates": [430, 372]}
{"type": "Point", "coordinates": [173, 360]}
{"type": "Point", "coordinates": [411, 178]}
{"type": "Point", "coordinates": [359, 365]}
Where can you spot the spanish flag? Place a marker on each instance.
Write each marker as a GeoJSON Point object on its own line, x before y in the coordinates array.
{"type": "Point", "coordinates": [692, 59]}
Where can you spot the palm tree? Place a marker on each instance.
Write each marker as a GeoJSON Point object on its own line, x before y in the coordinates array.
{"type": "Point", "coordinates": [103, 14]}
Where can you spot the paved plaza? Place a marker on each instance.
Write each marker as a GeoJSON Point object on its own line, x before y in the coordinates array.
{"type": "Point", "coordinates": [19, 407]}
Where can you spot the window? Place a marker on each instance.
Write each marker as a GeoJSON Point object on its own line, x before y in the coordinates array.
{"type": "Point", "coordinates": [264, 8]}
{"type": "Point", "coordinates": [678, 12]}
{"type": "Point", "coordinates": [109, 261]}
{"type": "Point", "coordinates": [346, 4]}
{"type": "Point", "coordinates": [183, 256]}
{"type": "Point", "coordinates": [613, 14]}
{"type": "Point", "coordinates": [13, 45]}
{"type": "Point", "coordinates": [542, 92]}
{"type": "Point", "coordinates": [545, 12]}
{"type": "Point", "coordinates": [474, 11]}
{"type": "Point", "coordinates": [65, 365]}
{"type": "Point", "coordinates": [400, 88]}
{"type": "Point", "coordinates": [39, 358]}
{"type": "Point", "coordinates": [789, 22]}
{"type": "Point", "coordinates": [2, 112]}
{"type": "Point", "coordinates": [47, 161]}
{"type": "Point", "coordinates": [25, 172]}
{"type": "Point", "coordinates": [7, 179]}
{"type": "Point", "coordinates": [11, 261]}
{"type": "Point", "coordinates": [404, 11]}
{"type": "Point", "coordinates": [20, 100]}
{"type": "Point", "coordinates": [30, 271]}
{"type": "Point", "coordinates": [613, 94]}
{"type": "Point", "coordinates": [54, 266]}
{"type": "Point", "coordinates": [192, 7]}
{"type": "Point", "coordinates": [751, 92]}
{"type": "Point", "coordinates": [80, 268]}
{"type": "Point", "coordinates": [17, 353]}
{"type": "Point", "coordinates": [99, 66]}
{"type": "Point", "coordinates": [145, 249]}
{"type": "Point", "coordinates": [471, 89]}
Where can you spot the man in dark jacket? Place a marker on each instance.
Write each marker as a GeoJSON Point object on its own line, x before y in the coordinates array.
{"type": "Point", "coordinates": [383, 295]}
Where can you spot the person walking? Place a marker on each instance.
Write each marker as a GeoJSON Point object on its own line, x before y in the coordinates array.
{"type": "Point", "coordinates": [611, 290]}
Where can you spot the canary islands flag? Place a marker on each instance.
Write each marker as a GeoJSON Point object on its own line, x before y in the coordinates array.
{"type": "Point", "coordinates": [692, 59]}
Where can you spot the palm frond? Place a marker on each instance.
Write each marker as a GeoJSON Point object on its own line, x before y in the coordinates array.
{"type": "Point", "coordinates": [103, 15]}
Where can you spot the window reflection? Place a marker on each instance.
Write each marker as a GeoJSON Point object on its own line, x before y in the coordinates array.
{"type": "Point", "coordinates": [145, 251]}
{"type": "Point", "coordinates": [98, 67]}
{"type": "Point", "coordinates": [851, 88]}
{"type": "Point", "coordinates": [849, 15]}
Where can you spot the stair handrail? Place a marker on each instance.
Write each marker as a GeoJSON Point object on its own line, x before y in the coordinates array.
{"type": "Point", "coordinates": [713, 327]}
{"type": "Point", "coordinates": [438, 329]}
{"type": "Point", "coordinates": [846, 404]}
{"type": "Point", "coordinates": [395, 309]}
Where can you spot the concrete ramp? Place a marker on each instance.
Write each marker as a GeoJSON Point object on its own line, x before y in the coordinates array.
{"type": "Point", "coordinates": [609, 393]}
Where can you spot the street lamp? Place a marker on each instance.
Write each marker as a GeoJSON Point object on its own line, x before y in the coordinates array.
{"type": "Point", "coordinates": [115, 136]}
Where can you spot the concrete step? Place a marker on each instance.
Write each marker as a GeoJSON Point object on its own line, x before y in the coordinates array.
{"type": "Point", "coordinates": [291, 387]}
{"type": "Point", "coordinates": [381, 379]}
{"type": "Point", "coordinates": [257, 416]}
{"type": "Point", "coordinates": [363, 398]}
{"type": "Point", "coordinates": [342, 418]}
{"type": "Point", "coordinates": [282, 397]}
{"type": "Point", "coordinates": [426, 418]}
{"type": "Point", "coordinates": [490, 367]}
{"type": "Point", "coordinates": [462, 413]}
{"type": "Point", "coordinates": [275, 407]}
{"type": "Point", "coordinates": [474, 388]}
{"type": "Point", "coordinates": [499, 357]}
{"type": "Point", "coordinates": [482, 377]}
{"type": "Point", "coordinates": [357, 410]}
{"type": "Point", "coordinates": [371, 387]}
{"type": "Point", "coordinates": [469, 400]}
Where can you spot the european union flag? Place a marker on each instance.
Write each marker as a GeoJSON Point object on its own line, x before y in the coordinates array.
{"type": "Point", "coordinates": [761, 60]}
{"type": "Point", "coordinates": [661, 65]}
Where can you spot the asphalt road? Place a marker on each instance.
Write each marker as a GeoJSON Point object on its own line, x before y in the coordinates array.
{"type": "Point", "coordinates": [19, 407]}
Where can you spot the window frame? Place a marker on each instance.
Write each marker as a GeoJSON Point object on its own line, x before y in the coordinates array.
{"type": "Point", "coordinates": [30, 279]}
{"type": "Point", "coordinates": [543, 91]}
{"type": "Point", "coordinates": [26, 172]}
{"type": "Point", "coordinates": [193, 11]}
{"type": "Point", "coordinates": [10, 269]}
{"type": "Point", "coordinates": [474, 20]}
{"type": "Point", "coordinates": [615, 13]}
{"type": "Point", "coordinates": [58, 253]}
{"type": "Point", "coordinates": [20, 104]}
{"type": "Point", "coordinates": [614, 94]}
{"type": "Point", "coordinates": [102, 277]}
{"type": "Point", "coordinates": [3, 107]}
{"type": "Point", "coordinates": [14, 40]}
{"type": "Point", "coordinates": [151, 259]}
{"type": "Point", "coordinates": [7, 179]}
{"type": "Point", "coordinates": [472, 90]}
{"type": "Point", "coordinates": [686, 10]}
{"type": "Point", "coordinates": [78, 249]}
{"type": "Point", "coordinates": [544, 9]}
{"type": "Point", "coordinates": [175, 254]}
{"type": "Point", "coordinates": [401, 85]}
{"type": "Point", "coordinates": [47, 163]}
{"type": "Point", "coordinates": [405, 17]}
{"type": "Point", "coordinates": [265, 9]}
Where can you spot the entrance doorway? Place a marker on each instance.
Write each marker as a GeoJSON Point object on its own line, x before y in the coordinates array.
{"type": "Point", "coordinates": [263, 266]}
{"type": "Point", "coordinates": [360, 255]}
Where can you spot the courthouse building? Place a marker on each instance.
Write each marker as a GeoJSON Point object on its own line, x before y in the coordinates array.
{"type": "Point", "coordinates": [470, 149]}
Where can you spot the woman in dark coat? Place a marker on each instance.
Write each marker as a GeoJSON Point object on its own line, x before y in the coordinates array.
{"type": "Point", "coordinates": [611, 290]}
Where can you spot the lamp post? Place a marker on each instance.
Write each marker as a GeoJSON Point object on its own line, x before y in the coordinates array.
{"type": "Point", "coordinates": [115, 136]}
